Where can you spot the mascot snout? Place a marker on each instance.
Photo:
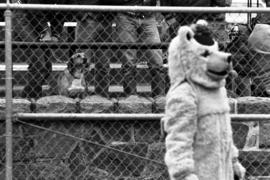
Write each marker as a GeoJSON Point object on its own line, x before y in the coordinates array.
{"type": "Point", "coordinates": [219, 65]}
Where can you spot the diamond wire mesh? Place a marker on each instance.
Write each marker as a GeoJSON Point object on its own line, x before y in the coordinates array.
{"type": "Point", "coordinates": [102, 69]}
{"type": "Point", "coordinates": [108, 150]}
{"type": "Point", "coordinates": [44, 50]}
{"type": "Point", "coordinates": [64, 151]}
{"type": "Point", "coordinates": [88, 150]}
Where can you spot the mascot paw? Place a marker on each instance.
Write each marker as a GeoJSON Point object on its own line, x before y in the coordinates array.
{"type": "Point", "coordinates": [239, 170]}
{"type": "Point", "coordinates": [191, 177]}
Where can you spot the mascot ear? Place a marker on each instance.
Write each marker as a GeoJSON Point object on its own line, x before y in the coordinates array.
{"type": "Point", "coordinates": [185, 33]}
{"type": "Point", "coordinates": [202, 22]}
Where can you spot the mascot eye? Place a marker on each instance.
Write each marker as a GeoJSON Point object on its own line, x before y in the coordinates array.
{"type": "Point", "coordinates": [205, 53]}
{"type": "Point", "coordinates": [188, 36]}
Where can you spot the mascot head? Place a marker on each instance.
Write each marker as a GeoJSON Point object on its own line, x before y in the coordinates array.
{"type": "Point", "coordinates": [194, 56]}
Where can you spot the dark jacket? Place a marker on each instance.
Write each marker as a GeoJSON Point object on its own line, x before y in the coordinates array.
{"type": "Point", "coordinates": [191, 17]}
{"type": "Point", "coordinates": [241, 55]}
{"type": "Point", "coordinates": [197, 3]}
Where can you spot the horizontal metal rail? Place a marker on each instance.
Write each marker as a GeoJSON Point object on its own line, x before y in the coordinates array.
{"type": "Point", "coordinates": [106, 116]}
{"type": "Point", "coordinates": [95, 45]}
{"type": "Point", "coordinates": [87, 116]}
{"type": "Point", "coordinates": [100, 8]}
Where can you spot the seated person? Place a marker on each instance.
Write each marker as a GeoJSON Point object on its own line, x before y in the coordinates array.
{"type": "Point", "coordinates": [71, 82]}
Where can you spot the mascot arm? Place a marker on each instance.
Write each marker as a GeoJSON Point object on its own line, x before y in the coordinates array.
{"type": "Point", "coordinates": [180, 123]}
{"type": "Point", "coordinates": [234, 152]}
{"type": "Point", "coordinates": [238, 169]}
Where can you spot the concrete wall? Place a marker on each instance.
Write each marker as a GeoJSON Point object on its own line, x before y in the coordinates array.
{"type": "Point", "coordinates": [84, 149]}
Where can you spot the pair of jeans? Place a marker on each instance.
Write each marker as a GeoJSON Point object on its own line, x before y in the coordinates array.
{"type": "Point", "coordinates": [141, 29]}
{"type": "Point", "coordinates": [96, 27]}
{"type": "Point", "coordinates": [26, 28]}
{"type": "Point", "coordinates": [56, 18]}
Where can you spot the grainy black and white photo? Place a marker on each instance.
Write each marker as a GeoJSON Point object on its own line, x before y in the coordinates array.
{"type": "Point", "coordinates": [135, 89]}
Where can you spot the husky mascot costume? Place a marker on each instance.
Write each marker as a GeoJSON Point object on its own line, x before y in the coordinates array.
{"type": "Point", "coordinates": [199, 144]}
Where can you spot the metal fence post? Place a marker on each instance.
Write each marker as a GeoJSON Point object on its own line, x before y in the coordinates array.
{"type": "Point", "coordinates": [8, 81]}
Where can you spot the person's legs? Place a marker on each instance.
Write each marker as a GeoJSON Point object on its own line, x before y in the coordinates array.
{"type": "Point", "coordinates": [39, 70]}
{"type": "Point", "coordinates": [153, 56]}
{"type": "Point", "coordinates": [103, 56]}
{"type": "Point", "coordinates": [27, 25]}
{"type": "Point", "coordinates": [26, 29]}
{"type": "Point", "coordinates": [57, 19]}
{"type": "Point", "coordinates": [126, 31]}
{"type": "Point", "coordinates": [90, 29]}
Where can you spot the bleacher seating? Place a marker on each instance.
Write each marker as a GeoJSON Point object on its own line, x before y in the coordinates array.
{"type": "Point", "coordinates": [20, 69]}
{"type": "Point", "coordinates": [116, 89]}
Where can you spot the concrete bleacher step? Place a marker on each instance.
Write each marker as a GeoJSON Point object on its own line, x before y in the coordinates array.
{"type": "Point", "coordinates": [20, 70]}
{"type": "Point", "coordinates": [116, 76]}
{"type": "Point", "coordinates": [114, 90]}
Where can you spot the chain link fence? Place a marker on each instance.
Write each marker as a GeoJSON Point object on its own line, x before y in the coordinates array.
{"type": "Point", "coordinates": [123, 53]}
{"type": "Point", "coordinates": [83, 150]}
{"type": "Point", "coordinates": [114, 54]}
{"type": "Point", "coordinates": [111, 149]}
{"type": "Point", "coordinates": [121, 58]}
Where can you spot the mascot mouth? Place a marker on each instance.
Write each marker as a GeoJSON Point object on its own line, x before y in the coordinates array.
{"type": "Point", "coordinates": [222, 73]}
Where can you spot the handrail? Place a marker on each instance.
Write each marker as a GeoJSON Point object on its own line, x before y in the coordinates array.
{"type": "Point", "coordinates": [93, 45]}
{"type": "Point", "coordinates": [102, 8]}
{"type": "Point", "coordinates": [123, 116]}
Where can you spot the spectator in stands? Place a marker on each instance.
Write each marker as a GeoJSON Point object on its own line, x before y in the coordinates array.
{"type": "Point", "coordinates": [96, 27]}
{"type": "Point", "coordinates": [242, 61]}
{"type": "Point", "coordinates": [139, 27]}
{"type": "Point", "coordinates": [258, 43]}
{"type": "Point", "coordinates": [261, 18]}
{"type": "Point", "coordinates": [2, 11]}
{"type": "Point", "coordinates": [216, 21]}
{"type": "Point", "coordinates": [55, 18]}
{"type": "Point", "coordinates": [29, 26]}
{"type": "Point", "coordinates": [174, 20]}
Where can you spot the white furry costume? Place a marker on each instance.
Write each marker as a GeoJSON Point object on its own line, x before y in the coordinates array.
{"type": "Point", "coordinates": [199, 141]}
